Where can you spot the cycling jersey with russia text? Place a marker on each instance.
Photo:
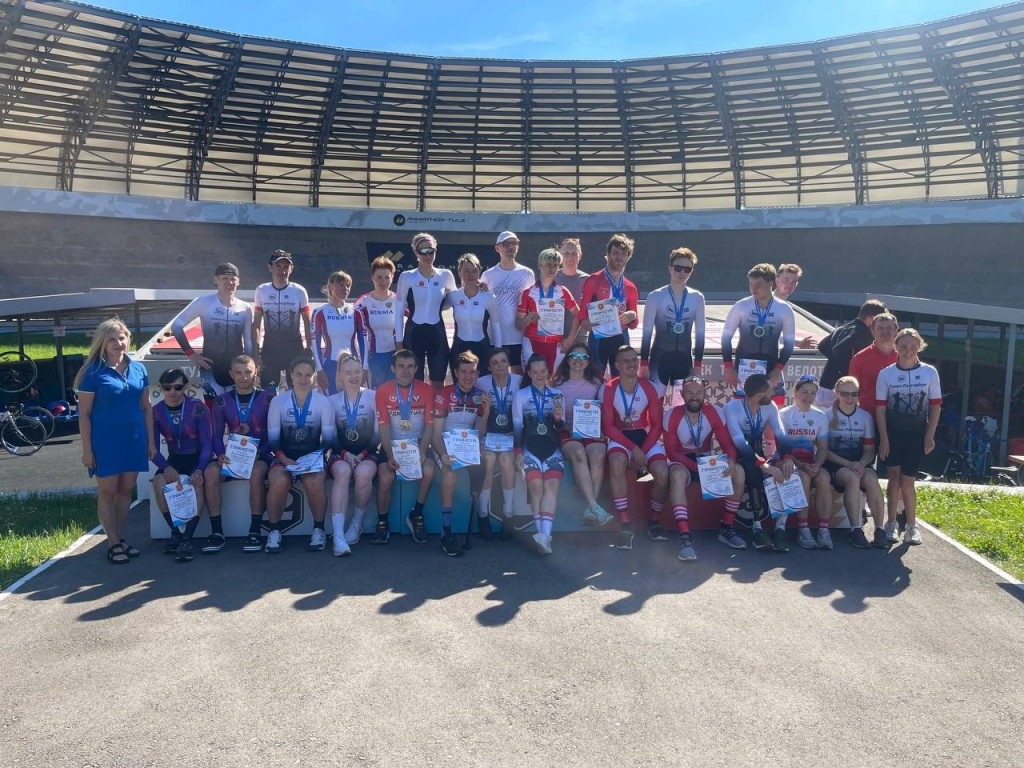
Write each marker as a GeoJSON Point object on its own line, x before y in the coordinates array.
{"type": "Point", "coordinates": [333, 333]}
{"type": "Point", "coordinates": [375, 325]}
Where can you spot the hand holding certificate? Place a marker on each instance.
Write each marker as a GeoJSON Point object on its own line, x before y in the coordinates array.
{"type": "Point", "coordinates": [407, 455]}
{"type": "Point", "coordinates": [713, 482]}
{"type": "Point", "coordinates": [552, 317]}
{"type": "Point", "coordinates": [311, 462]}
{"type": "Point", "coordinates": [786, 496]}
{"type": "Point", "coordinates": [181, 502]}
{"type": "Point", "coordinates": [604, 319]}
{"type": "Point", "coordinates": [240, 453]}
{"type": "Point", "coordinates": [586, 419]}
{"type": "Point", "coordinates": [748, 368]}
{"type": "Point", "coordinates": [497, 442]}
{"type": "Point", "coordinates": [463, 446]}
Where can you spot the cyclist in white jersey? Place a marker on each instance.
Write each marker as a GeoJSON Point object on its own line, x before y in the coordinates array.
{"type": "Point", "coordinates": [672, 314]}
{"type": "Point", "coordinates": [767, 331]}
{"type": "Point", "coordinates": [507, 280]}
{"type": "Point", "coordinates": [807, 430]}
{"type": "Point", "coordinates": [226, 324]}
{"type": "Point", "coordinates": [333, 330]}
{"type": "Point", "coordinates": [475, 313]}
{"type": "Point", "coordinates": [282, 312]}
{"type": "Point", "coordinates": [422, 291]}
{"type": "Point", "coordinates": [376, 322]}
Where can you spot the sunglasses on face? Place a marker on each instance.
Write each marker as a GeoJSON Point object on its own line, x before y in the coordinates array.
{"type": "Point", "coordinates": [426, 251]}
{"type": "Point", "coordinates": [855, 393]}
{"type": "Point", "coordinates": [682, 268]}
{"type": "Point", "coordinates": [175, 387]}
{"type": "Point", "coordinates": [808, 378]}
{"type": "Point", "coordinates": [578, 356]}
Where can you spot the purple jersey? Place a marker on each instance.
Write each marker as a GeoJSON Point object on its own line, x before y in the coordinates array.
{"type": "Point", "coordinates": [254, 409]}
{"type": "Point", "coordinates": [186, 430]}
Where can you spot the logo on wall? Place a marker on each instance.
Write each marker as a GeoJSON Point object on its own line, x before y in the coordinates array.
{"type": "Point", "coordinates": [294, 512]}
{"type": "Point", "coordinates": [399, 220]}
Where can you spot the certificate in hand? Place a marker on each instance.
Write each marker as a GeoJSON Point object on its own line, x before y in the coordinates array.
{"type": "Point", "coordinates": [552, 317]}
{"type": "Point", "coordinates": [463, 445]}
{"type": "Point", "coordinates": [586, 419]}
{"type": "Point", "coordinates": [311, 462]}
{"type": "Point", "coordinates": [748, 368]}
{"type": "Point", "coordinates": [713, 483]}
{"type": "Point", "coordinates": [771, 491]}
{"type": "Point", "coordinates": [604, 319]}
{"type": "Point", "coordinates": [241, 452]}
{"type": "Point", "coordinates": [407, 455]}
{"type": "Point", "coordinates": [181, 503]}
{"type": "Point", "coordinates": [792, 493]}
{"type": "Point", "coordinates": [497, 442]}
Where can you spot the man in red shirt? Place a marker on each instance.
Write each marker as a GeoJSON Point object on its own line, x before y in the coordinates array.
{"type": "Point", "coordinates": [610, 286]}
{"type": "Point", "coordinates": [866, 364]}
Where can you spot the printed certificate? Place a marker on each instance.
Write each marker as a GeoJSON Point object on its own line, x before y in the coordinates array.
{"type": "Point", "coordinates": [552, 318]}
{"type": "Point", "coordinates": [713, 483]}
{"type": "Point", "coordinates": [463, 445]}
{"type": "Point", "coordinates": [407, 455]}
{"type": "Point", "coordinates": [497, 442]}
{"type": "Point", "coordinates": [747, 368]}
{"type": "Point", "coordinates": [604, 319]}
{"type": "Point", "coordinates": [311, 462]}
{"type": "Point", "coordinates": [241, 452]}
{"type": "Point", "coordinates": [181, 502]}
{"type": "Point", "coordinates": [586, 419]}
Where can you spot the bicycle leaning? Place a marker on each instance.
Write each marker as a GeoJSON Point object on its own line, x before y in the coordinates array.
{"type": "Point", "coordinates": [24, 429]}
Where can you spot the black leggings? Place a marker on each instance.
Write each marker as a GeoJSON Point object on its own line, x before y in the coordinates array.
{"type": "Point", "coordinates": [429, 343]}
{"type": "Point", "coordinates": [478, 348]}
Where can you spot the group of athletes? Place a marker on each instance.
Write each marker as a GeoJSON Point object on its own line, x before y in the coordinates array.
{"type": "Point", "coordinates": [528, 351]}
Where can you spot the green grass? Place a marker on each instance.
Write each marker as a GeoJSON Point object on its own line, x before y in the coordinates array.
{"type": "Point", "coordinates": [34, 529]}
{"type": "Point", "coordinates": [989, 522]}
{"type": "Point", "coordinates": [40, 346]}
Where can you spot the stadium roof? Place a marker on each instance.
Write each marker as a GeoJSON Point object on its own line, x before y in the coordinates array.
{"type": "Point", "coordinates": [101, 101]}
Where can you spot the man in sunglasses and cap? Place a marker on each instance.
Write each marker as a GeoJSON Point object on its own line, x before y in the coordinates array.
{"type": "Point", "coordinates": [282, 310]}
{"type": "Point", "coordinates": [226, 326]}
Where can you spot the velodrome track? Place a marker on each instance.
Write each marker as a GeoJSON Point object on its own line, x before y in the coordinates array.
{"type": "Point", "coordinates": [592, 657]}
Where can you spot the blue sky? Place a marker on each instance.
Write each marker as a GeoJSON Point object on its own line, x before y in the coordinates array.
{"type": "Point", "coordinates": [549, 29]}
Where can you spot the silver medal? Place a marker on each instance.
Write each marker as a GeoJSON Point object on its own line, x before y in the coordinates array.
{"type": "Point", "coordinates": [501, 420]}
{"type": "Point", "coordinates": [351, 435]}
{"type": "Point", "coordinates": [542, 429]}
{"type": "Point", "coordinates": [300, 434]}
{"type": "Point", "coordinates": [759, 331]}
{"type": "Point", "coordinates": [677, 328]}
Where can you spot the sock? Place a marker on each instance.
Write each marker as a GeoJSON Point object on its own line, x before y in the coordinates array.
{"type": "Point", "coordinates": [357, 518]}
{"type": "Point", "coordinates": [803, 523]}
{"type": "Point", "coordinates": [622, 507]}
{"type": "Point", "coordinates": [823, 523]}
{"type": "Point", "coordinates": [681, 517]}
{"type": "Point", "coordinates": [731, 508]}
{"type": "Point", "coordinates": [446, 519]}
{"type": "Point", "coordinates": [318, 524]}
{"type": "Point", "coordinates": [417, 509]}
{"type": "Point", "coordinates": [536, 522]}
{"type": "Point", "coordinates": [338, 524]}
{"type": "Point", "coordinates": [545, 525]}
{"type": "Point", "coordinates": [780, 521]}
{"type": "Point", "coordinates": [382, 518]}
{"type": "Point", "coordinates": [217, 525]}
{"type": "Point", "coordinates": [170, 523]}
{"type": "Point", "coordinates": [852, 528]}
{"type": "Point", "coordinates": [190, 528]}
{"type": "Point", "coordinates": [483, 507]}
{"type": "Point", "coordinates": [757, 525]}
{"type": "Point", "coordinates": [656, 507]}
{"type": "Point", "coordinates": [256, 524]}
{"type": "Point", "coordinates": [275, 526]}
{"type": "Point", "coordinates": [508, 496]}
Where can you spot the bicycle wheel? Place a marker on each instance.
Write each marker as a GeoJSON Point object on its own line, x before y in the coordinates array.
{"type": "Point", "coordinates": [43, 416]}
{"type": "Point", "coordinates": [23, 436]}
{"type": "Point", "coordinates": [17, 372]}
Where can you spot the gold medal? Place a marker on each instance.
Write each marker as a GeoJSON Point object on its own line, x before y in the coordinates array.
{"type": "Point", "coordinates": [243, 429]}
{"type": "Point", "coordinates": [405, 424]}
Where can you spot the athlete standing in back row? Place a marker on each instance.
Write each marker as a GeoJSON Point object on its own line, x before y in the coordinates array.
{"type": "Point", "coordinates": [507, 280]}
{"type": "Point", "coordinates": [334, 330]}
{"type": "Point", "coordinates": [282, 311]}
{"type": "Point", "coordinates": [611, 286]}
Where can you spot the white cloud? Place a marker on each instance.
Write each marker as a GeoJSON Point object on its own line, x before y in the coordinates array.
{"type": "Point", "coordinates": [495, 43]}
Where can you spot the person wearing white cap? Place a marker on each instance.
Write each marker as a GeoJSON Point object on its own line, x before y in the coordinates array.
{"type": "Point", "coordinates": [507, 280]}
{"type": "Point", "coordinates": [226, 325]}
{"type": "Point", "coordinates": [282, 309]}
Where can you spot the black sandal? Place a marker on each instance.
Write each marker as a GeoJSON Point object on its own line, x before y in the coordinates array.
{"type": "Point", "coordinates": [129, 550]}
{"type": "Point", "coordinates": [116, 555]}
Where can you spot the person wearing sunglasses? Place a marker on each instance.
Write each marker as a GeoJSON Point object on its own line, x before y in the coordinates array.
{"type": "Point", "coordinates": [334, 330]}
{"type": "Point", "coordinates": [674, 318]}
{"type": "Point", "coordinates": [544, 334]}
{"type": "Point", "coordinates": [420, 294]}
{"type": "Point", "coordinates": [300, 422]}
{"type": "Point", "coordinates": [375, 323]}
{"type": "Point", "coordinates": [908, 404]}
{"type": "Point", "coordinates": [242, 410]}
{"type": "Point", "coordinates": [748, 418]}
{"type": "Point", "coordinates": [507, 280]}
{"type": "Point", "coordinates": [185, 426]}
{"type": "Point", "coordinates": [632, 420]}
{"type": "Point", "coordinates": [690, 431]}
{"type": "Point", "coordinates": [807, 432]}
{"type": "Point", "coordinates": [281, 310]}
{"type": "Point", "coordinates": [116, 425]}
{"type": "Point", "coordinates": [766, 328]}
{"type": "Point", "coordinates": [226, 325]}
{"type": "Point", "coordinates": [475, 313]}
{"type": "Point", "coordinates": [611, 285]}
{"type": "Point", "coordinates": [499, 386]}
{"type": "Point", "coordinates": [851, 452]}
{"type": "Point", "coordinates": [580, 381]}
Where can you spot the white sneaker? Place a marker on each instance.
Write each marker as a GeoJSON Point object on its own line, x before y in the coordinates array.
{"type": "Point", "coordinates": [273, 542]}
{"type": "Point", "coordinates": [892, 532]}
{"type": "Point", "coordinates": [603, 518]}
{"type": "Point", "coordinates": [824, 539]}
{"type": "Point", "coordinates": [355, 530]}
{"type": "Point", "coordinates": [543, 543]}
{"type": "Point", "coordinates": [805, 538]}
{"type": "Point", "coordinates": [318, 540]}
{"type": "Point", "coordinates": [341, 547]}
{"type": "Point", "coordinates": [912, 535]}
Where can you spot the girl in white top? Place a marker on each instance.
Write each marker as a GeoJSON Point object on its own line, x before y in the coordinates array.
{"type": "Point", "coordinates": [334, 330]}
{"type": "Point", "coordinates": [499, 388]}
{"type": "Point", "coordinates": [807, 430]}
{"type": "Point", "coordinates": [475, 313]}
{"type": "Point", "coordinates": [355, 453]}
{"type": "Point", "coordinates": [376, 322]}
{"type": "Point", "coordinates": [908, 403]}
{"type": "Point", "coordinates": [579, 379]}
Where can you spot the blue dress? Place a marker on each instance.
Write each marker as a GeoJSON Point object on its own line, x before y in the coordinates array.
{"type": "Point", "coordinates": [118, 424]}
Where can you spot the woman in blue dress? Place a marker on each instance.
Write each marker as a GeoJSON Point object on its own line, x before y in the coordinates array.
{"type": "Point", "coordinates": [116, 424]}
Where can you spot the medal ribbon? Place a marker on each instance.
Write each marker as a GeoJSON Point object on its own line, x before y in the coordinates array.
{"type": "Point", "coordinates": [755, 427]}
{"type": "Point", "coordinates": [695, 436]}
{"type": "Point", "coordinates": [179, 423]}
{"type": "Point", "coordinates": [404, 406]}
{"type": "Point", "coordinates": [618, 291]}
{"type": "Point", "coordinates": [301, 414]}
{"type": "Point", "coordinates": [539, 404]}
{"type": "Point", "coordinates": [502, 400]}
{"type": "Point", "coordinates": [351, 412]}
{"type": "Point", "coordinates": [243, 413]}
{"type": "Point", "coordinates": [682, 307]}
{"type": "Point", "coordinates": [762, 315]}
{"type": "Point", "coordinates": [628, 407]}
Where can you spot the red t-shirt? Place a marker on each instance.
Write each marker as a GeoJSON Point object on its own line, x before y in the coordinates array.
{"type": "Point", "coordinates": [531, 298]}
{"type": "Point", "coordinates": [865, 367]}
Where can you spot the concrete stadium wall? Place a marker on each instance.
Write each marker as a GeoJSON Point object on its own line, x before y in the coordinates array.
{"type": "Point", "coordinates": [54, 253]}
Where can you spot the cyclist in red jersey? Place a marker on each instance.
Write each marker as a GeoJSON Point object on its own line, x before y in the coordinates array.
{"type": "Point", "coordinates": [610, 285]}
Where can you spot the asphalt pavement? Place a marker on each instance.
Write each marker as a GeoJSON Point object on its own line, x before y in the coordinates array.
{"type": "Point", "coordinates": [402, 656]}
